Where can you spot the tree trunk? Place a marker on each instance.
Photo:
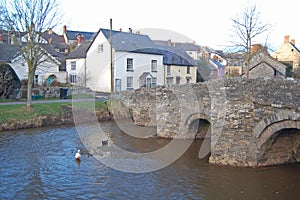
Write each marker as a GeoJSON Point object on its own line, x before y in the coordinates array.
{"type": "Point", "coordinates": [29, 91]}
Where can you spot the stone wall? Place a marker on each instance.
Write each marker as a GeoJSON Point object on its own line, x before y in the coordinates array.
{"type": "Point", "coordinates": [242, 113]}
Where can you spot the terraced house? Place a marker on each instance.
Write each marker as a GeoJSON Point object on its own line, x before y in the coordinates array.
{"type": "Point", "coordinates": [137, 62]}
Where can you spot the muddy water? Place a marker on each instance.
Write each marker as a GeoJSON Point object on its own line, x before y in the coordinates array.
{"type": "Point", "coordinates": [39, 164]}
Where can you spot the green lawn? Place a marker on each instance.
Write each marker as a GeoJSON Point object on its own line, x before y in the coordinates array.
{"type": "Point", "coordinates": [19, 112]}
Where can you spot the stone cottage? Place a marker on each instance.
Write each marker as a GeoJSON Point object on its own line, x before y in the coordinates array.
{"type": "Point", "coordinates": [261, 64]}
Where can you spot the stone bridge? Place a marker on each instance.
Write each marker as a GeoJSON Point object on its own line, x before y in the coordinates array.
{"type": "Point", "coordinates": [248, 122]}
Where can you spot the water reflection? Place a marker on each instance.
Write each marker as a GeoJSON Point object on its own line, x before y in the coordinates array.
{"type": "Point", "coordinates": [40, 163]}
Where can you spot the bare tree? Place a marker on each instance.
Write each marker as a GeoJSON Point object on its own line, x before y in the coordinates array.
{"type": "Point", "coordinates": [26, 20]}
{"type": "Point", "coordinates": [247, 26]}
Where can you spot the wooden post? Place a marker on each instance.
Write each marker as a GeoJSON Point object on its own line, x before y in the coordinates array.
{"type": "Point", "coordinates": [111, 63]}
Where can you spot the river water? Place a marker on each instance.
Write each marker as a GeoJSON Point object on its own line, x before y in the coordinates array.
{"type": "Point", "coordinates": [39, 164]}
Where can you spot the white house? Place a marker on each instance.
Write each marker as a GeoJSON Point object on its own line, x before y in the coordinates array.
{"type": "Point", "coordinates": [136, 60]}
{"type": "Point", "coordinates": [48, 70]}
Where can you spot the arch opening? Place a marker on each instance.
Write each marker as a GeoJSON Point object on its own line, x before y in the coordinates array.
{"type": "Point", "coordinates": [200, 128]}
{"type": "Point", "coordinates": [282, 147]}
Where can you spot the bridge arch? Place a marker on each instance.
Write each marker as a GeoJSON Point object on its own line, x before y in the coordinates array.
{"type": "Point", "coordinates": [279, 141]}
{"type": "Point", "coordinates": [274, 123]}
{"type": "Point", "coordinates": [200, 123]}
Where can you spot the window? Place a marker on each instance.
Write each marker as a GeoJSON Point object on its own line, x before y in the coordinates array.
{"type": "Point", "coordinates": [36, 79]}
{"type": "Point", "coordinates": [73, 65]}
{"type": "Point", "coordinates": [188, 80]}
{"type": "Point", "coordinates": [153, 65]}
{"type": "Point", "coordinates": [154, 82]}
{"type": "Point", "coordinates": [100, 48]}
{"type": "Point", "coordinates": [129, 64]}
{"type": "Point", "coordinates": [129, 82]}
{"type": "Point", "coordinates": [177, 79]}
{"type": "Point", "coordinates": [118, 85]}
{"type": "Point", "coordinates": [168, 70]}
{"type": "Point", "coordinates": [169, 80]}
{"type": "Point", "coordinates": [73, 78]}
{"type": "Point", "coordinates": [188, 70]}
{"type": "Point", "coordinates": [148, 82]}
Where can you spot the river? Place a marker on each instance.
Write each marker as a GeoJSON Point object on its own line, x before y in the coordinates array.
{"type": "Point", "coordinates": [39, 164]}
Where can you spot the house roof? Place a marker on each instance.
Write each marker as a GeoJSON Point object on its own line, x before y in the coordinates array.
{"type": "Point", "coordinates": [294, 46]}
{"type": "Point", "coordinates": [186, 46]}
{"type": "Point", "coordinates": [7, 52]}
{"type": "Point", "coordinates": [125, 41]}
{"type": "Point", "coordinates": [130, 42]}
{"type": "Point", "coordinates": [51, 35]}
{"type": "Point", "coordinates": [267, 59]}
{"type": "Point", "coordinates": [80, 51]}
{"type": "Point", "coordinates": [72, 35]}
{"type": "Point", "coordinates": [172, 55]}
{"type": "Point", "coordinates": [218, 64]}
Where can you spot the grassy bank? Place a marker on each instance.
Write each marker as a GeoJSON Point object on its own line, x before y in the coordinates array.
{"type": "Point", "coordinates": [19, 113]}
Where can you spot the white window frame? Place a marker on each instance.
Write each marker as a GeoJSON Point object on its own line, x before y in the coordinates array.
{"type": "Point", "coordinates": [129, 83]}
{"type": "Point", "coordinates": [100, 48]}
{"type": "Point", "coordinates": [153, 65]}
{"type": "Point", "coordinates": [168, 70]}
{"type": "Point", "coordinates": [154, 82]}
{"type": "Point", "coordinates": [73, 78]}
{"type": "Point", "coordinates": [73, 65]}
{"type": "Point", "coordinates": [129, 65]}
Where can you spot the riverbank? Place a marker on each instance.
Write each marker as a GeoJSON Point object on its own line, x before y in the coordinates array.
{"type": "Point", "coordinates": [16, 116]}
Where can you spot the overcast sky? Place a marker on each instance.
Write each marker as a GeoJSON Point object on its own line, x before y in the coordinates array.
{"type": "Point", "coordinates": [207, 22]}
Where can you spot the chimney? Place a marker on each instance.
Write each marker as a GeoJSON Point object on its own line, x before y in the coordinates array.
{"type": "Point", "coordinates": [50, 40]}
{"type": "Point", "coordinates": [138, 32]}
{"type": "Point", "coordinates": [255, 48]}
{"type": "Point", "coordinates": [169, 42]}
{"type": "Point", "coordinates": [293, 41]}
{"type": "Point", "coordinates": [80, 39]}
{"type": "Point", "coordinates": [50, 31]}
{"type": "Point", "coordinates": [1, 38]}
{"type": "Point", "coordinates": [130, 30]}
{"type": "Point", "coordinates": [215, 57]}
{"type": "Point", "coordinates": [286, 39]}
{"type": "Point", "coordinates": [64, 29]}
{"type": "Point", "coordinates": [120, 29]}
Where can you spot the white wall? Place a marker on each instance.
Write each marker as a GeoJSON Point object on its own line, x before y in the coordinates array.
{"type": "Point", "coordinates": [80, 66]}
{"type": "Point", "coordinates": [141, 64]}
{"type": "Point", "coordinates": [98, 65]}
{"type": "Point", "coordinates": [47, 67]}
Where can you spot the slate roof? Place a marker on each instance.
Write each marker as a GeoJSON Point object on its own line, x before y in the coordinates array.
{"type": "Point", "coordinates": [72, 35]}
{"type": "Point", "coordinates": [186, 46]}
{"type": "Point", "coordinates": [80, 51]}
{"type": "Point", "coordinates": [7, 52]}
{"type": "Point", "coordinates": [294, 46]}
{"type": "Point", "coordinates": [56, 39]}
{"type": "Point", "coordinates": [217, 63]}
{"type": "Point", "coordinates": [130, 42]}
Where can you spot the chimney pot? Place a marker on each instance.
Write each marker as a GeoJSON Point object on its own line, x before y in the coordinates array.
{"type": "Point", "coordinates": [64, 29]}
{"type": "Point", "coordinates": [120, 29]}
{"type": "Point", "coordinates": [50, 31]}
{"type": "Point", "coordinates": [286, 39]}
{"type": "Point", "coordinates": [80, 39]}
{"type": "Point", "coordinates": [1, 38]}
{"type": "Point", "coordinates": [293, 41]}
{"type": "Point", "coordinates": [130, 30]}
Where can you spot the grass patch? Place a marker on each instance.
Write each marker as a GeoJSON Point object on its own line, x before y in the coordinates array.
{"type": "Point", "coordinates": [19, 112]}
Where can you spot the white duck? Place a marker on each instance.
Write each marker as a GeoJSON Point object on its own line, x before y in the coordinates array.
{"type": "Point", "coordinates": [77, 155]}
